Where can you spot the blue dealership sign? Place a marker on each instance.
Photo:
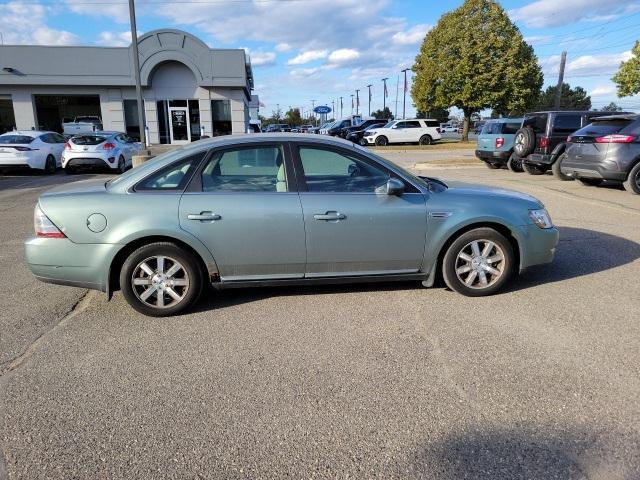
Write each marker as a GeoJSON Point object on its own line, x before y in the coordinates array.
{"type": "Point", "coordinates": [322, 109]}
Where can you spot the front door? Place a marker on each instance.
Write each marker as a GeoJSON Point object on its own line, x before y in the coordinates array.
{"type": "Point", "coordinates": [179, 128]}
{"type": "Point", "coordinates": [352, 229]}
{"type": "Point", "coordinates": [244, 207]}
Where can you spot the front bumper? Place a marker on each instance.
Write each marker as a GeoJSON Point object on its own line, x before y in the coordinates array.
{"type": "Point", "coordinates": [493, 156]}
{"type": "Point", "coordinates": [537, 245]}
{"type": "Point", "coordinates": [61, 261]}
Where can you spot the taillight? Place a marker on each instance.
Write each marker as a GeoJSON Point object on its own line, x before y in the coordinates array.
{"type": "Point", "coordinates": [543, 142]}
{"type": "Point", "coordinates": [108, 146]}
{"type": "Point", "coordinates": [43, 226]}
{"type": "Point", "coordinates": [569, 139]}
{"type": "Point", "coordinates": [499, 142]}
{"type": "Point", "coordinates": [616, 138]}
{"type": "Point", "coordinates": [67, 146]}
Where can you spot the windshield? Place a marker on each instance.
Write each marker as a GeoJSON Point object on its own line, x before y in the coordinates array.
{"type": "Point", "coordinates": [603, 127]}
{"type": "Point", "coordinates": [21, 139]}
{"type": "Point", "coordinates": [389, 125]}
{"type": "Point", "coordinates": [374, 126]}
{"type": "Point", "coordinates": [88, 139]}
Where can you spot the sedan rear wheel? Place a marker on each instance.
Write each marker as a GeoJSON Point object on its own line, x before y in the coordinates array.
{"type": "Point", "coordinates": [50, 165]}
{"type": "Point", "coordinates": [161, 279]}
{"type": "Point", "coordinates": [478, 263]}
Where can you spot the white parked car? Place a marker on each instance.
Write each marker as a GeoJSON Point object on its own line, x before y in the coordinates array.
{"type": "Point", "coordinates": [31, 149]}
{"type": "Point", "coordinates": [419, 131]}
{"type": "Point", "coordinates": [110, 150]}
{"type": "Point", "coordinates": [79, 125]}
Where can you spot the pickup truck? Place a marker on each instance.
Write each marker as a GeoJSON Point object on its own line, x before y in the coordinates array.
{"type": "Point", "coordinates": [82, 125]}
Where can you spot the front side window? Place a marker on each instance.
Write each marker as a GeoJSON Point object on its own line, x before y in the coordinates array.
{"type": "Point", "coordinates": [256, 169]}
{"type": "Point", "coordinates": [173, 177]}
{"type": "Point", "coordinates": [330, 171]}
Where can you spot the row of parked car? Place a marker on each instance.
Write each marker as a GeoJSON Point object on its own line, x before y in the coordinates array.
{"type": "Point", "coordinates": [45, 152]}
{"type": "Point", "coordinates": [587, 146]}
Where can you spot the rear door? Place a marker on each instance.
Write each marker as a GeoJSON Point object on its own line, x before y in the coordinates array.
{"type": "Point", "coordinates": [243, 205]}
{"type": "Point", "coordinates": [351, 229]}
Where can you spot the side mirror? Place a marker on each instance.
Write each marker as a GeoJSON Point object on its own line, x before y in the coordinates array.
{"type": "Point", "coordinates": [394, 187]}
{"type": "Point", "coordinates": [395, 126]}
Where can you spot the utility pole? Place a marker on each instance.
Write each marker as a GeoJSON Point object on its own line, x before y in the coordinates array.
{"type": "Point", "coordinates": [352, 104]}
{"type": "Point", "coordinates": [563, 60]}
{"type": "Point", "coordinates": [136, 68]}
{"type": "Point", "coordinates": [357, 101]}
{"type": "Point", "coordinates": [369, 87]}
{"type": "Point", "coordinates": [384, 94]}
{"type": "Point", "coordinates": [404, 96]}
{"type": "Point", "coordinates": [340, 107]}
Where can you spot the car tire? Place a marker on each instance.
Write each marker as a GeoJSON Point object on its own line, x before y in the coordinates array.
{"type": "Point", "coordinates": [632, 183]}
{"type": "Point", "coordinates": [186, 283]}
{"type": "Point", "coordinates": [479, 256]}
{"type": "Point", "coordinates": [515, 163]}
{"type": "Point", "coordinates": [493, 166]}
{"type": "Point", "coordinates": [122, 165]}
{"type": "Point", "coordinates": [425, 140]}
{"type": "Point", "coordinates": [532, 169]}
{"type": "Point", "coordinates": [382, 141]}
{"type": "Point", "coordinates": [524, 142]}
{"type": "Point", "coordinates": [49, 165]}
{"type": "Point", "coordinates": [591, 182]}
{"type": "Point", "coordinates": [363, 142]}
{"type": "Point", "coordinates": [556, 169]}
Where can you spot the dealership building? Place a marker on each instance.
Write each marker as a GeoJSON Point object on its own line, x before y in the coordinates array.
{"type": "Point", "coordinates": [189, 89]}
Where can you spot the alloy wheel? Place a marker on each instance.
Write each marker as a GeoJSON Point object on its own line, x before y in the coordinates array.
{"type": "Point", "coordinates": [160, 281]}
{"type": "Point", "coordinates": [480, 264]}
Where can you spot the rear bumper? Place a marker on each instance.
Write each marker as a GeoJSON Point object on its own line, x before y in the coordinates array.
{"type": "Point", "coordinates": [493, 156]}
{"type": "Point", "coordinates": [60, 261]}
{"type": "Point", "coordinates": [539, 159]}
{"type": "Point", "coordinates": [538, 246]}
{"type": "Point", "coordinates": [604, 170]}
{"type": "Point", "coordinates": [88, 160]}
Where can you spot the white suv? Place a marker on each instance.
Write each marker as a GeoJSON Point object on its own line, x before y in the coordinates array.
{"type": "Point", "coordinates": [419, 131]}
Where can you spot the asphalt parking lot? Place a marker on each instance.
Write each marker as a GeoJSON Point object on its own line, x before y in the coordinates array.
{"type": "Point", "coordinates": [383, 381]}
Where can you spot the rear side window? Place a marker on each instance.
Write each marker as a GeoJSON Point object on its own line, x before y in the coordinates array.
{"type": "Point", "coordinates": [432, 123]}
{"type": "Point", "coordinates": [492, 128]}
{"type": "Point", "coordinates": [604, 127]}
{"type": "Point", "coordinates": [537, 122]}
{"type": "Point", "coordinates": [15, 139]}
{"type": "Point", "coordinates": [565, 124]}
{"type": "Point", "coordinates": [172, 178]}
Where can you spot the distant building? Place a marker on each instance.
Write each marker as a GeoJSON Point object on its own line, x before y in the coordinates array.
{"type": "Point", "coordinates": [188, 88]}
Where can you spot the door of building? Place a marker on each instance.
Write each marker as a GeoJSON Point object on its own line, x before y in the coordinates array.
{"type": "Point", "coordinates": [179, 127]}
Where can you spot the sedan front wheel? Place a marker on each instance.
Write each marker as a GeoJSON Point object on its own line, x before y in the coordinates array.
{"type": "Point", "coordinates": [478, 263]}
{"type": "Point", "coordinates": [161, 279]}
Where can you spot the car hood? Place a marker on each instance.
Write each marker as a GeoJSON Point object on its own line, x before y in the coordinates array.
{"type": "Point", "coordinates": [83, 186]}
{"type": "Point", "coordinates": [464, 189]}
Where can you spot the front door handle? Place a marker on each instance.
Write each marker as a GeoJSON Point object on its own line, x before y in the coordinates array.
{"type": "Point", "coordinates": [204, 216]}
{"type": "Point", "coordinates": [330, 216]}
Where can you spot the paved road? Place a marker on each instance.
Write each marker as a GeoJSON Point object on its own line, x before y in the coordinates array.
{"type": "Point", "coordinates": [385, 381]}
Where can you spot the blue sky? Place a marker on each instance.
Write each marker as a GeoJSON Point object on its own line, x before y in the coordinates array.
{"type": "Point", "coordinates": [304, 50]}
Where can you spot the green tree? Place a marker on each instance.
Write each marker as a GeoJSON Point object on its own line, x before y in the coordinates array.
{"type": "Point", "coordinates": [476, 58]}
{"type": "Point", "coordinates": [383, 114]}
{"type": "Point", "coordinates": [570, 98]}
{"type": "Point", "coordinates": [293, 117]}
{"type": "Point", "coordinates": [440, 114]}
{"type": "Point", "coordinates": [627, 79]}
{"type": "Point", "coordinates": [612, 107]}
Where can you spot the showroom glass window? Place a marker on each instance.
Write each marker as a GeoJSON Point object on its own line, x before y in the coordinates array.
{"type": "Point", "coordinates": [330, 171]}
{"type": "Point", "coordinates": [220, 117]}
{"type": "Point", "coordinates": [254, 169]}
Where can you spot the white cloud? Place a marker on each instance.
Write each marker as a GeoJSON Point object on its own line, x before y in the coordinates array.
{"type": "Point", "coordinates": [603, 90]}
{"type": "Point", "coordinates": [537, 39]}
{"type": "Point", "coordinates": [114, 39]}
{"type": "Point", "coordinates": [413, 36]}
{"type": "Point", "coordinates": [22, 23]}
{"type": "Point", "coordinates": [555, 13]}
{"type": "Point", "coordinates": [343, 56]}
{"type": "Point", "coordinates": [308, 56]}
{"type": "Point", "coordinates": [260, 58]}
{"type": "Point", "coordinates": [304, 72]}
{"type": "Point", "coordinates": [585, 65]}
{"type": "Point", "coordinates": [116, 11]}
{"type": "Point", "coordinates": [283, 47]}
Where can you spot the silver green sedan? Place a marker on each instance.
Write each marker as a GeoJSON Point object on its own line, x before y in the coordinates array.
{"type": "Point", "coordinates": [280, 209]}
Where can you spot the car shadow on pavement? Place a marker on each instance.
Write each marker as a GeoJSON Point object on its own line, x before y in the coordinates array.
{"type": "Point", "coordinates": [512, 454]}
{"type": "Point", "coordinates": [580, 252]}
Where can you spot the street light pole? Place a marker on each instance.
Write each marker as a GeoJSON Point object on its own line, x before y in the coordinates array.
{"type": "Point", "coordinates": [404, 96]}
{"type": "Point", "coordinates": [369, 87]}
{"type": "Point", "coordinates": [136, 68]}
{"type": "Point", "coordinates": [357, 101]}
{"type": "Point", "coordinates": [340, 107]}
{"type": "Point", "coordinates": [352, 104]}
{"type": "Point", "coordinates": [384, 94]}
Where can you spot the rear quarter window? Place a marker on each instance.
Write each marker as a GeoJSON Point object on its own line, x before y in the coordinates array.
{"type": "Point", "coordinates": [538, 122]}
{"type": "Point", "coordinates": [510, 128]}
{"type": "Point", "coordinates": [565, 124]}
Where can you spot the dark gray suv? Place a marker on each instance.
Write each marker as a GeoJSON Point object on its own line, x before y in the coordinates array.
{"type": "Point", "coordinates": [606, 149]}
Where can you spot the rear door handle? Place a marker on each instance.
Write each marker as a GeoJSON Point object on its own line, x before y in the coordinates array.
{"type": "Point", "coordinates": [330, 216]}
{"type": "Point", "coordinates": [204, 216]}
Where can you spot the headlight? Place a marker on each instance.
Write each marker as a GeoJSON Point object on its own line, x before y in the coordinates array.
{"type": "Point", "coordinates": [541, 218]}
{"type": "Point", "coordinates": [370, 134]}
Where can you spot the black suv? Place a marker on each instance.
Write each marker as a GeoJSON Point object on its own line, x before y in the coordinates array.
{"type": "Point", "coordinates": [344, 133]}
{"type": "Point", "coordinates": [606, 149]}
{"type": "Point", "coordinates": [543, 138]}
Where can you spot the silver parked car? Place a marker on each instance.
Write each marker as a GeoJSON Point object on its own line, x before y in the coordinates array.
{"type": "Point", "coordinates": [280, 209]}
{"type": "Point", "coordinates": [112, 151]}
